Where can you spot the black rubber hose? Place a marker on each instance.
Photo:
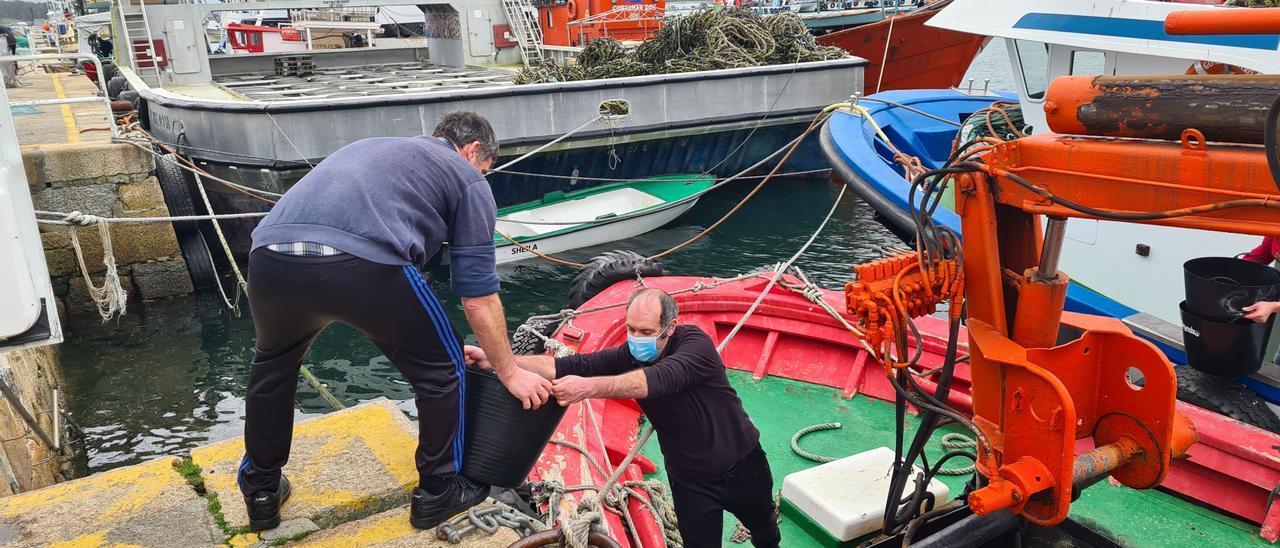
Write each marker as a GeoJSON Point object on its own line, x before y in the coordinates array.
{"type": "Point", "coordinates": [894, 518]}
{"type": "Point", "coordinates": [972, 531]}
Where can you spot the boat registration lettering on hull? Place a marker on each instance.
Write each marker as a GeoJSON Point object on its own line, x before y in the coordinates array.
{"type": "Point", "coordinates": [516, 250]}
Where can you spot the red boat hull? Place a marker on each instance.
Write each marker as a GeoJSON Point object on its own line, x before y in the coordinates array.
{"type": "Point", "coordinates": [918, 57]}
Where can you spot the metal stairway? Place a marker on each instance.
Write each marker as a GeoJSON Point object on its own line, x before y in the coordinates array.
{"type": "Point", "coordinates": [143, 58]}
{"type": "Point", "coordinates": [524, 26]}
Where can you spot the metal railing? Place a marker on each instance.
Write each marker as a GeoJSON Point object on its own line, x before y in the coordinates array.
{"type": "Point", "coordinates": [102, 85]}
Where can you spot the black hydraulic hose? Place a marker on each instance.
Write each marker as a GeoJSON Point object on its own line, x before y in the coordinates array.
{"type": "Point", "coordinates": [974, 530]}
{"type": "Point", "coordinates": [903, 466]}
{"type": "Point", "coordinates": [1270, 144]}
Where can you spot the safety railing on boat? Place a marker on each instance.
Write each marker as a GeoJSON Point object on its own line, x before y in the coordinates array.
{"type": "Point", "coordinates": [105, 99]}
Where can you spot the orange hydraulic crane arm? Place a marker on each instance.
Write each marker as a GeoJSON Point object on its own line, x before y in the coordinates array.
{"type": "Point", "coordinates": [1043, 378]}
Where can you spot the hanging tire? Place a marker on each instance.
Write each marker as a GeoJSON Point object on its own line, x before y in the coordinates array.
{"type": "Point", "coordinates": [524, 343]}
{"type": "Point", "coordinates": [115, 85]}
{"type": "Point", "coordinates": [177, 194]}
{"type": "Point", "coordinates": [608, 269]}
{"type": "Point", "coordinates": [195, 251]}
{"type": "Point", "coordinates": [1225, 396]}
{"type": "Point", "coordinates": [130, 96]}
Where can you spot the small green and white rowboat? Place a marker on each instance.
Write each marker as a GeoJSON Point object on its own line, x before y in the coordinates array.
{"type": "Point", "coordinates": [561, 221]}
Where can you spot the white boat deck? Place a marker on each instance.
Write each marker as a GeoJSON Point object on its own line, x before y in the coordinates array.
{"type": "Point", "coordinates": [617, 202]}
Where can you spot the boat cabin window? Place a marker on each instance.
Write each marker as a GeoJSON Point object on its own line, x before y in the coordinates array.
{"type": "Point", "coordinates": [1088, 63]}
{"type": "Point", "coordinates": [1034, 60]}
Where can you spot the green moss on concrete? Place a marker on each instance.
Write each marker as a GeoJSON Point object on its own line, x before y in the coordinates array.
{"type": "Point", "coordinates": [195, 478]}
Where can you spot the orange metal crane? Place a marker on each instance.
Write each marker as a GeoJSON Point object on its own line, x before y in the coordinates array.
{"type": "Point", "coordinates": [1042, 377]}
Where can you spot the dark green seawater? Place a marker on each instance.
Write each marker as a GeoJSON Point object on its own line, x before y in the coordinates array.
{"type": "Point", "coordinates": [171, 374]}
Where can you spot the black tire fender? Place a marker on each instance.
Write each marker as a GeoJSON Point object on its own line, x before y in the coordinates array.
{"type": "Point", "coordinates": [524, 343]}
{"type": "Point", "coordinates": [195, 251]}
{"type": "Point", "coordinates": [607, 269]}
{"type": "Point", "coordinates": [1225, 396]}
{"type": "Point", "coordinates": [177, 193]}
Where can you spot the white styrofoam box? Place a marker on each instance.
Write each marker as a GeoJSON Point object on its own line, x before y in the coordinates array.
{"type": "Point", "coordinates": [846, 497]}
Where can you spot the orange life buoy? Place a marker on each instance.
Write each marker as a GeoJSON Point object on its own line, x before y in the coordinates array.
{"type": "Point", "coordinates": [573, 9]}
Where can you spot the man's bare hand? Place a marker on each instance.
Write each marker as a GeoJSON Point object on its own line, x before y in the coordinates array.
{"type": "Point", "coordinates": [1260, 311]}
{"type": "Point", "coordinates": [571, 389]}
{"type": "Point", "coordinates": [474, 355]}
{"type": "Point", "coordinates": [531, 389]}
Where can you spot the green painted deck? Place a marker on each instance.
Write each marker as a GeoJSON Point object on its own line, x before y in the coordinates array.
{"type": "Point", "coordinates": [780, 407]}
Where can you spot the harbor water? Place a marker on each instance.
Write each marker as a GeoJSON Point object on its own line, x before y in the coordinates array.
{"type": "Point", "coordinates": [171, 374]}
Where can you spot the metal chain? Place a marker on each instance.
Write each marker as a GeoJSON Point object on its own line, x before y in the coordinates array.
{"type": "Point", "coordinates": [488, 520]}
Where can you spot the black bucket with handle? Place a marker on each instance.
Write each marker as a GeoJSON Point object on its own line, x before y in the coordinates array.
{"type": "Point", "coordinates": [503, 440]}
{"type": "Point", "coordinates": [1229, 348]}
{"type": "Point", "coordinates": [1218, 288]}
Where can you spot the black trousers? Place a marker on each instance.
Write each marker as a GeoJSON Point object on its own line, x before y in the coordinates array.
{"type": "Point", "coordinates": [746, 491]}
{"type": "Point", "coordinates": [294, 298]}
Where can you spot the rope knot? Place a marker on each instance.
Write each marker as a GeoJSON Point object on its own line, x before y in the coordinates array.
{"type": "Point", "coordinates": [81, 219]}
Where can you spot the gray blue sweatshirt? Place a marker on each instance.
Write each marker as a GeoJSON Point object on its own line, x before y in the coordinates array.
{"type": "Point", "coordinates": [394, 201]}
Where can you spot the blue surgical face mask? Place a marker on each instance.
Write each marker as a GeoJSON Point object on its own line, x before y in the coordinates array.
{"type": "Point", "coordinates": [644, 349]}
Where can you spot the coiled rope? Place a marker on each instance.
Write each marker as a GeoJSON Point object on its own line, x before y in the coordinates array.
{"type": "Point", "coordinates": [795, 441]}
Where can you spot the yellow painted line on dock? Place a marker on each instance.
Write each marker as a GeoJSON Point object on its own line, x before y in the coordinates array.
{"type": "Point", "coordinates": [68, 120]}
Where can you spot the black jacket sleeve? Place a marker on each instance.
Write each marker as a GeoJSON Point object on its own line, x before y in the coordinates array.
{"type": "Point", "coordinates": [610, 361]}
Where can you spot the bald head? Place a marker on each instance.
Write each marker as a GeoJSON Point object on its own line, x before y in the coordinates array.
{"type": "Point", "coordinates": [649, 312]}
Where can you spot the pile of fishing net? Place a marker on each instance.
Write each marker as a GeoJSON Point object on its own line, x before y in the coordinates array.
{"type": "Point", "coordinates": [717, 38]}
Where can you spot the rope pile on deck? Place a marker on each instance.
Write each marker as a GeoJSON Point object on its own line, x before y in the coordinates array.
{"type": "Point", "coordinates": [710, 39]}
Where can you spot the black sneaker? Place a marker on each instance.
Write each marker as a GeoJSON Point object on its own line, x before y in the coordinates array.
{"type": "Point", "coordinates": [264, 506]}
{"type": "Point", "coordinates": [428, 511]}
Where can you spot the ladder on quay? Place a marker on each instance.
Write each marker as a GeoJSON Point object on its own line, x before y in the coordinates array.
{"type": "Point", "coordinates": [524, 27]}
{"type": "Point", "coordinates": [143, 58]}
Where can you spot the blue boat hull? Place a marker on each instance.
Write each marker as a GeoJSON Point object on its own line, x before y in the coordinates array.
{"type": "Point", "coordinates": [866, 165]}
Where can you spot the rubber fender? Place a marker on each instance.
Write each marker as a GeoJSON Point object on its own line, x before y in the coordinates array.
{"type": "Point", "coordinates": [177, 193]}
{"type": "Point", "coordinates": [195, 251]}
{"type": "Point", "coordinates": [524, 343]}
{"type": "Point", "coordinates": [608, 269]}
{"type": "Point", "coordinates": [1225, 396]}
{"type": "Point", "coordinates": [116, 85]}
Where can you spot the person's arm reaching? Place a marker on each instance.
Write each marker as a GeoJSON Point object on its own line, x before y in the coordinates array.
{"type": "Point", "coordinates": [1262, 254]}
{"type": "Point", "coordinates": [475, 278]}
{"type": "Point", "coordinates": [572, 388]}
{"type": "Point", "coordinates": [490, 325]}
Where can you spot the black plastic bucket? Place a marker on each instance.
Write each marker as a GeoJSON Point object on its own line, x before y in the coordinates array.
{"type": "Point", "coordinates": [1219, 287]}
{"type": "Point", "coordinates": [503, 441]}
{"type": "Point", "coordinates": [1228, 349]}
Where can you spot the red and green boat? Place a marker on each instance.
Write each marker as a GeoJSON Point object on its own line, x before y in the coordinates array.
{"type": "Point", "coordinates": [795, 365]}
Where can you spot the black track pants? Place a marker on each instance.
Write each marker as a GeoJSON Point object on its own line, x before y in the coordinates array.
{"type": "Point", "coordinates": [746, 491]}
{"type": "Point", "coordinates": [294, 298]}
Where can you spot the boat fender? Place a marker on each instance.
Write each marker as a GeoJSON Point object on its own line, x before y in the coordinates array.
{"type": "Point", "coordinates": [195, 252]}
{"type": "Point", "coordinates": [525, 343]}
{"type": "Point", "coordinates": [115, 85]}
{"type": "Point", "coordinates": [176, 191]}
{"type": "Point", "coordinates": [1225, 396]}
{"type": "Point", "coordinates": [572, 8]}
{"type": "Point", "coordinates": [120, 105]}
{"type": "Point", "coordinates": [130, 96]}
{"type": "Point", "coordinates": [607, 269]}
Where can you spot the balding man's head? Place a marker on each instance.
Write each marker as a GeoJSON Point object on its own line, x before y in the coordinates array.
{"type": "Point", "coordinates": [650, 313]}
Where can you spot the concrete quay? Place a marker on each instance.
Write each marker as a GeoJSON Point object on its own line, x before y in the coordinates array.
{"type": "Point", "coordinates": [351, 470]}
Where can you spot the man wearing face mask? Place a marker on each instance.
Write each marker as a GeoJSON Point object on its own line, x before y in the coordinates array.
{"type": "Point", "coordinates": [711, 448]}
{"type": "Point", "coordinates": [346, 244]}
